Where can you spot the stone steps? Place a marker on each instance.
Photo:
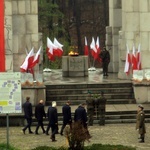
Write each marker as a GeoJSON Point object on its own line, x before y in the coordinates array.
{"type": "Point", "coordinates": [115, 93]}
{"type": "Point", "coordinates": [110, 117]}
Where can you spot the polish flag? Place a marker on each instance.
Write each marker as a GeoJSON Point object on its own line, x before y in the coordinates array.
{"type": "Point", "coordinates": [93, 49]}
{"type": "Point", "coordinates": [128, 61]}
{"type": "Point", "coordinates": [98, 49]}
{"type": "Point", "coordinates": [36, 58]}
{"type": "Point", "coordinates": [28, 61]}
{"type": "Point", "coordinates": [134, 59]}
{"type": "Point", "coordinates": [86, 50]}
{"type": "Point", "coordinates": [50, 49]}
{"type": "Point", "coordinates": [139, 58]}
{"type": "Point", "coordinates": [59, 51]}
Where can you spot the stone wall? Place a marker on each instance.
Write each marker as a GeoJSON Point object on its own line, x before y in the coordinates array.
{"type": "Point", "coordinates": [129, 20]}
{"type": "Point", "coordinates": [21, 31]}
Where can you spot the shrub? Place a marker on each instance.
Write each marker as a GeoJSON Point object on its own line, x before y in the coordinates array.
{"type": "Point", "coordinates": [108, 147]}
{"type": "Point", "coordinates": [3, 146]}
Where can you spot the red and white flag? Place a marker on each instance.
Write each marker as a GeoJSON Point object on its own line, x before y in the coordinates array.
{"type": "Point", "coordinates": [86, 49]}
{"type": "Point", "coordinates": [93, 49]}
{"type": "Point", "coordinates": [36, 58]}
{"type": "Point", "coordinates": [59, 51]}
{"type": "Point", "coordinates": [28, 61]}
{"type": "Point", "coordinates": [134, 59]}
{"type": "Point", "coordinates": [139, 58]}
{"type": "Point", "coordinates": [98, 49]}
{"type": "Point", "coordinates": [50, 49]}
{"type": "Point", "coordinates": [128, 61]}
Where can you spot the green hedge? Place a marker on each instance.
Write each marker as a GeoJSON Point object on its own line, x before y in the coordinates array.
{"type": "Point", "coordinates": [92, 147]}
{"type": "Point", "coordinates": [3, 146]}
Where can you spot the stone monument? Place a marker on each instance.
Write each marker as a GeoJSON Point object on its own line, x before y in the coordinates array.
{"type": "Point", "coordinates": [129, 24]}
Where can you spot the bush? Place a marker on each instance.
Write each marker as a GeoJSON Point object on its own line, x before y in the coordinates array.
{"type": "Point", "coordinates": [48, 148]}
{"type": "Point", "coordinates": [108, 147]}
{"type": "Point", "coordinates": [3, 146]}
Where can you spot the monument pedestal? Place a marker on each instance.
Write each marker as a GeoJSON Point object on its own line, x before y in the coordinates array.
{"type": "Point", "coordinates": [74, 66]}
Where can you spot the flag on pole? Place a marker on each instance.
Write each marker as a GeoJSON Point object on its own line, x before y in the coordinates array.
{"type": "Point", "coordinates": [86, 50]}
{"type": "Point", "coordinates": [93, 49]}
{"type": "Point", "coordinates": [36, 58]}
{"type": "Point", "coordinates": [58, 51]}
{"type": "Point", "coordinates": [28, 61]}
{"type": "Point", "coordinates": [128, 61]}
{"type": "Point", "coordinates": [139, 58]}
{"type": "Point", "coordinates": [134, 59]}
{"type": "Point", "coordinates": [98, 49]}
{"type": "Point", "coordinates": [50, 50]}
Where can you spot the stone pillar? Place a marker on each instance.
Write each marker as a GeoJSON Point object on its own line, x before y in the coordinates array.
{"type": "Point", "coordinates": [8, 36]}
{"type": "Point", "coordinates": [21, 31]}
{"type": "Point", "coordinates": [115, 21]}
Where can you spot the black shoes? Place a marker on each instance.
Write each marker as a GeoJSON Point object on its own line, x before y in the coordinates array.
{"type": "Point", "coordinates": [105, 75]}
{"type": "Point", "coordinates": [23, 131]}
{"type": "Point", "coordinates": [61, 134]}
{"type": "Point", "coordinates": [30, 132]}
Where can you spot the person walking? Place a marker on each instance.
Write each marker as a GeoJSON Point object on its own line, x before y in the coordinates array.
{"type": "Point", "coordinates": [105, 57]}
{"type": "Point", "coordinates": [39, 114]}
{"type": "Point", "coordinates": [53, 120]}
{"type": "Point", "coordinates": [90, 108]}
{"type": "Point", "coordinates": [27, 106]}
{"type": "Point", "coordinates": [81, 115]}
{"type": "Point", "coordinates": [66, 111]}
{"type": "Point", "coordinates": [140, 123]}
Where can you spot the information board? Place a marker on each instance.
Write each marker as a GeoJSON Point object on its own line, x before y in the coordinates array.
{"type": "Point", "coordinates": [10, 92]}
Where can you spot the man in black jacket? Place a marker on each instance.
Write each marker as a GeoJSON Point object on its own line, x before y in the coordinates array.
{"type": "Point", "coordinates": [81, 115]}
{"type": "Point", "coordinates": [105, 56]}
{"type": "Point", "coordinates": [66, 111]}
{"type": "Point", "coordinates": [53, 120]}
{"type": "Point", "coordinates": [27, 106]}
{"type": "Point", "coordinates": [39, 114]}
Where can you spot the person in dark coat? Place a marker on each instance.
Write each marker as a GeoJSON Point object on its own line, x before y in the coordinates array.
{"type": "Point", "coordinates": [27, 106]}
{"type": "Point", "coordinates": [140, 123]}
{"type": "Point", "coordinates": [81, 115]}
{"type": "Point", "coordinates": [53, 120]}
{"type": "Point", "coordinates": [66, 111]}
{"type": "Point", "coordinates": [39, 114]}
{"type": "Point", "coordinates": [105, 57]}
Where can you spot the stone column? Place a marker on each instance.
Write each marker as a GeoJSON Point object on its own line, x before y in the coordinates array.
{"type": "Point", "coordinates": [21, 31]}
{"type": "Point", "coordinates": [115, 21]}
{"type": "Point", "coordinates": [8, 36]}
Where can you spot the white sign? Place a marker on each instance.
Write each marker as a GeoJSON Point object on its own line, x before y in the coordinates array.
{"type": "Point", "coordinates": [10, 92]}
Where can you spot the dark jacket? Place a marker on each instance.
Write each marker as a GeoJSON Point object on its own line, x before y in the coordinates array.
{"type": "Point", "coordinates": [66, 110]}
{"type": "Point", "coordinates": [27, 106]}
{"type": "Point", "coordinates": [80, 115]}
{"type": "Point", "coordinates": [39, 111]}
{"type": "Point", "coordinates": [105, 56]}
{"type": "Point", "coordinates": [52, 115]}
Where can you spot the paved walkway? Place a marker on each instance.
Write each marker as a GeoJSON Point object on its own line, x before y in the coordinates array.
{"type": "Point", "coordinates": [120, 134]}
{"type": "Point", "coordinates": [55, 77]}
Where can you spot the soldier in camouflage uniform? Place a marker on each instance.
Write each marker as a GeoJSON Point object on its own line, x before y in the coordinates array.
{"type": "Point", "coordinates": [90, 108]}
{"type": "Point", "coordinates": [140, 123]}
{"type": "Point", "coordinates": [101, 108]}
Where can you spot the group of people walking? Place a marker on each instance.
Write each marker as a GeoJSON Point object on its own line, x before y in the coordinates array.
{"type": "Point", "coordinates": [79, 116]}
{"type": "Point", "coordinates": [52, 115]}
